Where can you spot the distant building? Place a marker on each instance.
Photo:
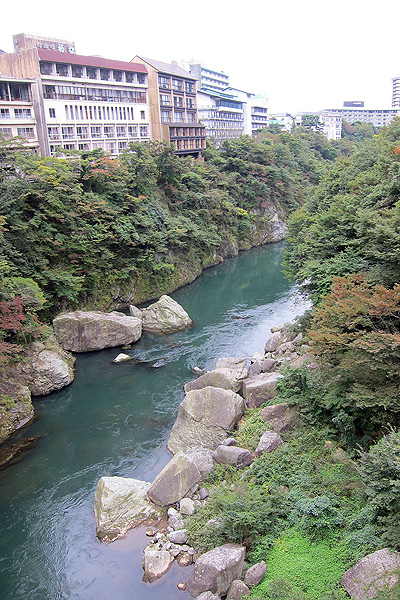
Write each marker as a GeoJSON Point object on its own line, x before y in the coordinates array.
{"type": "Point", "coordinates": [353, 103]}
{"type": "Point", "coordinates": [82, 102]}
{"type": "Point", "coordinates": [331, 123]}
{"type": "Point", "coordinates": [258, 110]}
{"type": "Point", "coordinates": [221, 114]}
{"type": "Point", "coordinates": [208, 78]}
{"type": "Point", "coordinates": [173, 107]}
{"type": "Point", "coordinates": [17, 115]}
{"type": "Point", "coordinates": [284, 120]}
{"type": "Point", "coordinates": [396, 92]}
{"type": "Point", "coordinates": [377, 117]}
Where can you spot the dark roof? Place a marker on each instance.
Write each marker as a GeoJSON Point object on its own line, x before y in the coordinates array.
{"type": "Point", "coordinates": [168, 68]}
{"type": "Point", "coordinates": [90, 61]}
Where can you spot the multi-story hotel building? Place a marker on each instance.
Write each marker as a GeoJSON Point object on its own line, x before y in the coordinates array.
{"type": "Point", "coordinates": [82, 102]}
{"type": "Point", "coordinates": [396, 92]}
{"type": "Point", "coordinates": [173, 107]}
{"type": "Point", "coordinates": [381, 117]}
{"type": "Point", "coordinates": [209, 79]}
{"type": "Point", "coordinates": [222, 114]}
{"type": "Point", "coordinates": [17, 116]}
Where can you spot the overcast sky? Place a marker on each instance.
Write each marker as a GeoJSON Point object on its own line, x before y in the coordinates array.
{"type": "Point", "coordinates": [303, 56]}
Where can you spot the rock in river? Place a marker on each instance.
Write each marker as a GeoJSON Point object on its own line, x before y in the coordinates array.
{"type": "Point", "coordinates": [165, 316]}
{"type": "Point", "coordinates": [81, 331]}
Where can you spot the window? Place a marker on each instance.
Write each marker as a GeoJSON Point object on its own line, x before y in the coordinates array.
{"type": "Point", "coordinates": [52, 113]}
{"type": "Point", "coordinates": [122, 146]}
{"type": "Point", "coordinates": [46, 68]}
{"type": "Point", "coordinates": [49, 92]}
{"type": "Point", "coordinates": [62, 70]}
{"type": "Point", "coordinates": [111, 147]}
{"type": "Point", "coordinates": [5, 132]}
{"type": "Point", "coordinates": [144, 131]}
{"type": "Point", "coordinates": [121, 131]}
{"type": "Point", "coordinates": [20, 92]}
{"type": "Point", "coordinates": [96, 132]}
{"type": "Point", "coordinates": [108, 131]}
{"type": "Point", "coordinates": [190, 102]}
{"type": "Point", "coordinates": [163, 82]}
{"type": "Point", "coordinates": [179, 117]}
{"type": "Point", "coordinates": [105, 74]}
{"type": "Point", "coordinates": [189, 87]}
{"type": "Point", "coordinates": [77, 71]}
{"type": "Point", "coordinates": [129, 77]}
{"type": "Point", "coordinates": [178, 101]}
{"type": "Point", "coordinates": [4, 113]}
{"type": "Point", "coordinates": [91, 72]}
{"type": "Point", "coordinates": [22, 113]}
{"type": "Point", "coordinates": [165, 100]}
{"type": "Point", "coordinates": [177, 85]}
{"type": "Point", "coordinates": [165, 116]}
{"type": "Point", "coordinates": [117, 75]}
{"type": "Point", "coordinates": [82, 132]}
{"type": "Point", "coordinates": [26, 132]}
{"type": "Point", "coordinates": [141, 77]}
{"type": "Point", "coordinates": [132, 130]}
{"type": "Point", "coordinates": [67, 133]}
{"type": "Point", "coordinates": [83, 147]}
{"type": "Point", "coordinates": [54, 133]}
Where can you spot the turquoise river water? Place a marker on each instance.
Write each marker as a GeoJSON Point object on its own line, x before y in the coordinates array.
{"type": "Point", "coordinates": [115, 419]}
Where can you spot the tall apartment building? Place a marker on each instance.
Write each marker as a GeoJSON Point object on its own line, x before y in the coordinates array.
{"type": "Point", "coordinates": [17, 116]}
{"type": "Point", "coordinates": [173, 107]}
{"type": "Point", "coordinates": [209, 79]}
{"type": "Point", "coordinates": [221, 114]}
{"type": "Point", "coordinates": [396, 92]}
{"type": "Point", "coordinates": [258, 113]}
{"type": "Point", "coordinates": [82, 102]}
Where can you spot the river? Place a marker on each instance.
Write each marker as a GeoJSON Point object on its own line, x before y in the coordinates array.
{"type": "Point", "coordinates": [115, 419]}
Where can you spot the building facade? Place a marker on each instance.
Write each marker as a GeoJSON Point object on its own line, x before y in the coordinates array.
{"type": "Point", "coordinates": [221, 114]}
{"type": "Point", "coordinates": [396, 92]}
{"type": "Point", "coordinates": [17, 115]}
{"type": "Point", "coordinates": [209, 79]}
{"type": "Point", "coordinates": [83, 102]}
{"type": "Point", "coordinates": [377, 117]}
{"type": "Point", "coordinates": [173, 107]}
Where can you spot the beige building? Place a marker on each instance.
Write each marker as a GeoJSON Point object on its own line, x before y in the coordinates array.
{"type": "Point", "coordinates": [173, 107]}
{"type": "Point", "coordinates": [17, 115]}
{"type": "Point", "coordinates": [81, 102]}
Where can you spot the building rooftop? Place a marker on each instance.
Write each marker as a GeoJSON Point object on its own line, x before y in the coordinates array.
{"type": "Point", "coordinates": [168, 68]}
{"type": "Point", "coordinates": [90, 61]}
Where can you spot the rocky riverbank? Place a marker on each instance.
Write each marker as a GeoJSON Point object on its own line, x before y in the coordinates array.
{"type": "Point", "coordinates": [203, 437]}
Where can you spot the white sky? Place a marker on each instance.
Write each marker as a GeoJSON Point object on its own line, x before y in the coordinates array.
{"type": "Point", "coordinates": [307, 55]}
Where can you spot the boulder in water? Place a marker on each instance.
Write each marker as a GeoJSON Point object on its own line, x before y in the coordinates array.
{"type": "Point", "coordinates": [165, 316]}
{"type": "Point", "coordinates": [81, 331]}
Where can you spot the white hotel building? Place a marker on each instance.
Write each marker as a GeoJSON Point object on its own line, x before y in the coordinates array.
{"type": "Point", "coordinates": [83, 102]}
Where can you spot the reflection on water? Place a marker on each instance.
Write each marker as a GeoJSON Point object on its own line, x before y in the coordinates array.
{"type": "Point", "coordinates": [115, 419]}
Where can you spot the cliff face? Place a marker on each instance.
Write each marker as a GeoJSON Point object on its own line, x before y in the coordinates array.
{"type": "Point", "coordinates": [267, 227]}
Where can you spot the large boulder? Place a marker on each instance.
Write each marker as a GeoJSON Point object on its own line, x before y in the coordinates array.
{"type": "Point", "coordinates": [255, 573]}
{"type": "Point", "coordinates": [215, 570]}
{"type": "Point", "coordinates": [81, 331]}
{"type": "Point", "coordinates": [204, 418]}
{"type": "Point", "coordinates": [218, 378]}
{"type": "Point", "coordinates": [50, 372]}
{"type": "Point", "coordinates": [155, 564]}
{"type": "Point", "coordinates": [259, 389]}
{"type": "Point", "coordinates": [371, 574]}
{"type": "Point", "coordinates": [281, 417]}
{"type": "Point", "coordinates": [269, 441]}
{"type": "Point", "coordinates": [174, 481]}
{"type": "Point", "coordinates": [232, 455]}
{"type": "Point", "coordinates": [120, 503]}
{"type": "Point", "coordinates": [203, 460]}
{"type": "Point", "coordinates": [165, 316]}
{"type": "Point", "coordinates": [237, 366]}
{"type": "Point", "coordinates": [237, 590]}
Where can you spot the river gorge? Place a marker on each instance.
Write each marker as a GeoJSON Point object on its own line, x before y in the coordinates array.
{"type": "Point", "coordinates": [115, 419]}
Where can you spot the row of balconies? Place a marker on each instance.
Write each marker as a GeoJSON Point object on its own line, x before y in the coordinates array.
{"type": "Point", "coordinates": [91, 73]}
